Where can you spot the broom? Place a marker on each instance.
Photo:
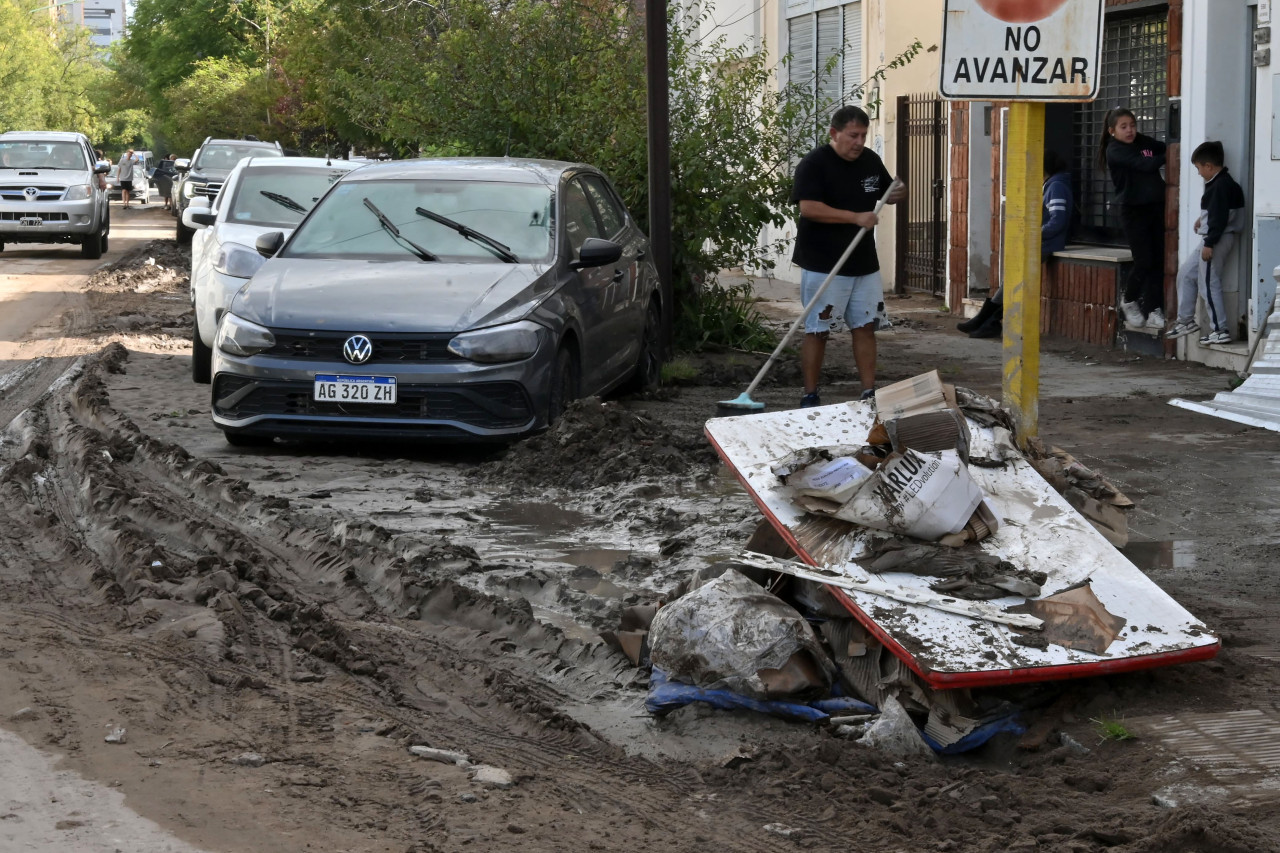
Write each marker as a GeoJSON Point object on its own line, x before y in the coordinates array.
{"type": "Point", "coordinates": [743, 402]}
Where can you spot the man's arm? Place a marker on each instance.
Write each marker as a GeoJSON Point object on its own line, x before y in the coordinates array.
{"type": "Point", "coordinates": [818, 211]}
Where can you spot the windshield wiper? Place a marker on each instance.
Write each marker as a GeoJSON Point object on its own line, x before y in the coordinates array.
{"type": "Point", "coordinates": [284, 201]}
{"type": "Point", "coordinates": [390, 228]}
{"type": "Point", "coordinates": [470, 233]}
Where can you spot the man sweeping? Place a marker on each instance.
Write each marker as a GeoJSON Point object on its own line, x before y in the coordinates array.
{"type": "Point", "coordinates": [837, 186]}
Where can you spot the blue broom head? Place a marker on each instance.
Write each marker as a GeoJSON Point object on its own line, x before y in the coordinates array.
{"type": "Point", "coordinates": [742, 401]}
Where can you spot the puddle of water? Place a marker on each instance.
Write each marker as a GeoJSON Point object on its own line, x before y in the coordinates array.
{"type": "Point", "coordinates": [1156, 556]}
{"type": "Point", "coordinates": [599, 587]}
{"type": "Point", "coordinates": [600, 559]}
{"type": "Point", "coordinates": [545, 517]}
{"type": "Point", "coordinates": [566, 623]}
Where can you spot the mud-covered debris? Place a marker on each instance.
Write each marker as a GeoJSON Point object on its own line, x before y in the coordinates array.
{"type": "Point", "coordinates": [24, 714]}
{"type": "Point", "coordinates": [249, 759]}
{"type": "Point", "coordinates": [118, 735]}
{"type": "Point", "coordinates": [444, 756]}
{"type": "Point", "coordinates": [491, 777]}
{"type": "Point", "coordinates": [158, 265]}
{"type": "Point", "coordinates": [599, 443]}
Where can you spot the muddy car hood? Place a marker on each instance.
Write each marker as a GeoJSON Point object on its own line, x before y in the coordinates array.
{"type": "Point", "coordinates": [298, 293]}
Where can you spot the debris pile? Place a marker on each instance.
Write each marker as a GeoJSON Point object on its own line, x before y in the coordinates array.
{"type": "Point", "coordinates": [597, 443]}
{"type": "Point", "coordinates": [899, 576]}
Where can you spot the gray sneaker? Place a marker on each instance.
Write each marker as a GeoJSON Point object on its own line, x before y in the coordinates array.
{"type": "Point", "coordinates": [1219, 338]}
{"type": "Point", "coordinates": [1181, 329]}
{"type": "Point", "coordinates": [1132, 315]}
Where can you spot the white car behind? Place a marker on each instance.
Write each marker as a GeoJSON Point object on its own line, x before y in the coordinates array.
{"type": "Point", "coordinates": [262, 194]}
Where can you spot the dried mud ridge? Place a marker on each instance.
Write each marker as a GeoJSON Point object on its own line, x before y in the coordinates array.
{"type": "Point", "coordinates": [597, 443]}
{"type": "Point", "coordinates": [229, 623]}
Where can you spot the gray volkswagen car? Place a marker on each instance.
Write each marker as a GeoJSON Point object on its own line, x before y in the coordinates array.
{"type": "Point", "coordinates": [451, 299]}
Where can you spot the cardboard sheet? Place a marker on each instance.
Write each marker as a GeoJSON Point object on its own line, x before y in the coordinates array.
{"type": "Point", "coordinates": [1038, 530]}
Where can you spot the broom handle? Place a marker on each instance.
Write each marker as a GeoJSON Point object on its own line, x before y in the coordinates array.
{"type": "Point", "coordinates": [862, 232]}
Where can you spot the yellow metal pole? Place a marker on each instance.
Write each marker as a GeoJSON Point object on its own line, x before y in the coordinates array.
{"type": "Point", "coordinates": [1024, 178]}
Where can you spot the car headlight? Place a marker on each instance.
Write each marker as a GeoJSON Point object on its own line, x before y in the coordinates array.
{"type": "Point", "coordinates": [237, 261]}
{"type": "Point", "coordinates": [189, 188]}
{"type": "Point", "coordinates": [238, 336]}
{"type": "Point", "coordinates": [500, 343]}
{"type": "Point", "coordinates": [78, 193]}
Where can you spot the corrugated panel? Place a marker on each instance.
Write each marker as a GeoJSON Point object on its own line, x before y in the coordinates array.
{"type": "Point", "coordinates": [1256, 402]}
{"type": "Point", "coordinates": [853, 53]}
{"type": "Point", "coordinates": [830, 40]}
{"type": "Point", "coordinates": [800, 45]}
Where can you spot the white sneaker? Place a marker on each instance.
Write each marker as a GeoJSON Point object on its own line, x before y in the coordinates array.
{"type": "Point", "coordinates": [1132, 315]}
{"type": "Point", "coordinates": [1181, 329]}
{"type": "Point", "coordinates": [1156, 320]}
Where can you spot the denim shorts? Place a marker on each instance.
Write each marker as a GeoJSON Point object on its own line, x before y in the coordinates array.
{"type": "Point", "coordinates": [850, 301]}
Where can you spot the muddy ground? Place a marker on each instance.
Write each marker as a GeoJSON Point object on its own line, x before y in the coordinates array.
{"type": "Point", "coordinates": [275, 628]}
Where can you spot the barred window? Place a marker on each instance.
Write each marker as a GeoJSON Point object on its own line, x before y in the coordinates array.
{"type": "Point", "coordinates": [1134, 63]}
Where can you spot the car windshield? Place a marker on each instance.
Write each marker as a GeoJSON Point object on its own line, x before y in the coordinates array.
{"type": "Point", "coordinates": [342, 226]}
{"type": "Point", "coordinates": [277, 196]}
{"type": "Point", "coordinates": [226, 155]}
{"type": "Point", "coordinates": [42, 155]}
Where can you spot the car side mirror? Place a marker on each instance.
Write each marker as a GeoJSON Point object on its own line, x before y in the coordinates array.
{"type": "Point", "coordinates": [596, 253]}
{"type": "Point", "coordinates": [268, 244]}
{"type": "Point", "coordinates": [101, 169]}
{"type": "Point", "coordinates": [182, 164]}
{"type": "Point", "coordinates": [200, 217]}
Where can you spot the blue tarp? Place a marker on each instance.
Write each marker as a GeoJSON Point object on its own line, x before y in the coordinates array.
{"type": "Point", "coordinates": [666, 695]}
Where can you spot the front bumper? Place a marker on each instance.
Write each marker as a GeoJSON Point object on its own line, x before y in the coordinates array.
{"type": "Point", "coordinates": [47, 222]}
{"type": "Point", "coordinates": [452, 400]}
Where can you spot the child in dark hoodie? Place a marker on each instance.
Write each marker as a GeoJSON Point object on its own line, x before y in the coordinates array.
{"type": "Point", "coordinates": [1055, 221]}
{"type": "Point", "coordinates": [1134, 160]}
{"type": "Point", "coordinates": [1221, 219]}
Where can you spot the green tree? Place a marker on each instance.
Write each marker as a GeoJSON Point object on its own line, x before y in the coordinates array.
{"type": "Point", "coordinates": [28, 61]}
{"type": "Point", "coordinates": [222, 97]}
{"type": "Point", "coordinates": [167, 39]}
{"type": "Point", "coordinates": [566, 81]}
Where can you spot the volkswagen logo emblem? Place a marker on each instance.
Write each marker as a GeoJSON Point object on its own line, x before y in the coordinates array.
{"type": "Point", "coordinates": [358, 349]}
{"type": "Point", "coordinates": [32, 193]}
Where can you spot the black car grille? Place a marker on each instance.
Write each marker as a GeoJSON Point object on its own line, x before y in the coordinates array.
{"type": "Point", "coordinates": [17, 193]}
{"type": "Point", "coordinates": [485, 405]}
{"type": "Point", "coordinates": [390, 348]}
{"type": "Point", "coordinates": [45, 216]}
{"type": "Point", "coordinates": [210, 189]}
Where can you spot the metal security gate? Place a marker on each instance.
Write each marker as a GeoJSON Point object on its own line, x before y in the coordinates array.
{"type": "Point", "coordinates": [921, 251]}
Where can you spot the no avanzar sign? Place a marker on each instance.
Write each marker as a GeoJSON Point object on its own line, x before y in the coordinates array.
{"type": "Point", "coordinates": [1021, 50]}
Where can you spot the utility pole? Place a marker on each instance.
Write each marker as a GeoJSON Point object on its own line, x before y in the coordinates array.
{"type": "Point", "coordinates": [657, 89]}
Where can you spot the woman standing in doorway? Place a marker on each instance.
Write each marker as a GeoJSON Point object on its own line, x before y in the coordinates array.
{"type": "Point", "coordinates": [1134, 160]}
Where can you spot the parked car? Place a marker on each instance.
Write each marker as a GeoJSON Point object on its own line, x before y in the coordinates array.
{"type": "Point", "coordinates": [205, 172]}
{"type": "Point", "coordinates": [49, 191]}
{"type": "Point", "coordinates": [445, 299]}
{"type": "Point", "coordinates": [141, 192]}
{"type": "Point", "coordinates": [260, 195]}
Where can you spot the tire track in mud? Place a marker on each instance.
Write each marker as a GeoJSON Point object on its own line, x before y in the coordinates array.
{"type": "Point", "coordinates": [121, 519]}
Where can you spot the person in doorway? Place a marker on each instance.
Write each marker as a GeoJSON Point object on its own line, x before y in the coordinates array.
{"type": "Point", "coordinates": [837, 186]}
{"type": "Point", "coordinates": [164, 179]}
{"type": "Point", "coordinates": [1221, 219]}
{"type": "Point", "coordinates": [1134, 160]}
{"type": "Point", "coordinates": [1055, 220]}
{"type": "Point", "coordinates": [130, 165]}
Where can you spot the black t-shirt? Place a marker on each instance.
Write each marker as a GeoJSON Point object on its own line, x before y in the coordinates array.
{"type": "Point", "coordinates": [823, 175]}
